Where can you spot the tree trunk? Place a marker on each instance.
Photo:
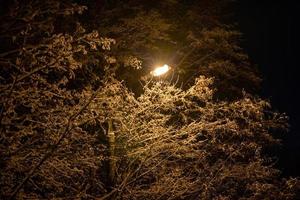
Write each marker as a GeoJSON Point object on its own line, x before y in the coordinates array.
{"type": "Point", "coordinates": [111, 148]}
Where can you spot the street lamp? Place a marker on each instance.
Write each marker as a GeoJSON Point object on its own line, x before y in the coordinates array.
{"type": "Point", "coordinates": [160, 70]}
{"type": "Point", "coordinates": [111, 135]}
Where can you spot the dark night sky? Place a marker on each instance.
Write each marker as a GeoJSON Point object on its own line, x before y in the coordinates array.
{"type": "Point", "coordinates": [271, 38]}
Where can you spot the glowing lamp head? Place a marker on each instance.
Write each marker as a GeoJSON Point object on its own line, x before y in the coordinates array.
{"type": "Point", "coordinates": [160, 70]}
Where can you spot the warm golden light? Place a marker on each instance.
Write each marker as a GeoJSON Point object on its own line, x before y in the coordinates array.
{"type": "Point", "coordinates": [160, 70]}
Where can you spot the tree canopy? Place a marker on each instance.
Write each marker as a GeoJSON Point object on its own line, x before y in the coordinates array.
{"type": "Point", "coordinates": [65, 86]}
{"type": "Point", "coordinates": [194, 37]}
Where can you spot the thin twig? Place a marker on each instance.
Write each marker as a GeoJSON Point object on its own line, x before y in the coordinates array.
{"type": "Point", "coordinates": [4, 104]}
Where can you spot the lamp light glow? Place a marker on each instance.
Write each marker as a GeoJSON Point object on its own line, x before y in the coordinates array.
{"type": "Point", "coordinates": [160, 70]}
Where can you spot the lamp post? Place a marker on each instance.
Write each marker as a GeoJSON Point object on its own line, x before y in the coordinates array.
{"type": "Point", "coordinates": [111, 151]}
{"type": "Point", "coordinates": [111, 134]}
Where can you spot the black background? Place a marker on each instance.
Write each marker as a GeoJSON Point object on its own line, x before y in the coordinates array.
{"type": "Point", "coordinates": [271, 38]}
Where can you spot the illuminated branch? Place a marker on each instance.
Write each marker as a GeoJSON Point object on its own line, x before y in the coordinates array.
{"type": "Point", "coordinates": [52, 148]}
